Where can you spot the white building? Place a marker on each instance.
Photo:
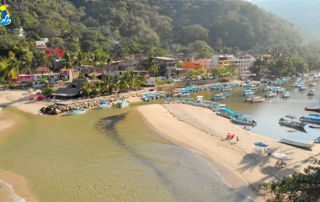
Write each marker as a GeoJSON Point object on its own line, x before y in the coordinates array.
{"type": "Point", "coordinates": [244, 62]}
{"type": "Point", "coordinates": [222, 61]}
{"type": "Point", "coordinates": [19, 32]}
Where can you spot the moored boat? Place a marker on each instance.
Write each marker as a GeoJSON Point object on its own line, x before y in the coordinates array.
{"type": "Point", "coordinates": [286, 94]}
{"type": "Point", "coordinates": [292, 124]}
{"type": "Point", "coordinates": [104, 104]}
{"type": "Point", "coordinates": [270, 94]}
{"type": "Point", "coordinates": [312, 109]}
{"type": "Point", "coordinates": [245, 122]}
{"type": "Point", "coordinates": [310, 120]}
{"type": "Point", "coordinates": [219, 96]}
{"type": "Point", "coordinates": [305, 145]}
{"type": "Point", "coordinates": [123, 103]}
{"type": "Point", "coordinates": [76, 112]}
{"type": "Point", "coordinates": [302, 88]}
{"type": "Point", "coordinates": [312, 84]}
{"type": "Point", "coordinates": [254, 99]}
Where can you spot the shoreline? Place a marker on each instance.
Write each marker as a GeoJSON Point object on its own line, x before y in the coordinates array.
{"type": "Point", "coordinates": [201, 131]}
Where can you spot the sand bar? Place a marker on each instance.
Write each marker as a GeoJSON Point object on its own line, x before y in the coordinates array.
{"type": "Point", "coordinates": [201, 130]}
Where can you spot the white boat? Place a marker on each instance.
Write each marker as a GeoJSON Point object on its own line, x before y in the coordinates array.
{"type": "Point", "coordinates": [306, 145]}
{"type": "Point", "coordinates": [286, 94]}
{"type": "Point", "coordinates": [76, 112]}
{"type": "Point", "coordinates": [123, 103]}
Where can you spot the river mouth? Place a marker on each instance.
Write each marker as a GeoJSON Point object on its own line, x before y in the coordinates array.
{"type": "Point", "coordinates": [105, 155]}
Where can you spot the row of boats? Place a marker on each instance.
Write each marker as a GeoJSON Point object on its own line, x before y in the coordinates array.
{"type": "Point", "coordinates": [222, 110]}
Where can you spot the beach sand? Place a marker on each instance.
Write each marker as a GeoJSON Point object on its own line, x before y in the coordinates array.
{"type": "Point", "coordinates": [13, 188]}
{"type": "Point", "coordinates": [202, 131]}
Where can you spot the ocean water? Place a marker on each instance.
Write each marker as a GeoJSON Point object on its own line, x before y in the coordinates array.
{"type": "Point", "coordinates": [106, 155]}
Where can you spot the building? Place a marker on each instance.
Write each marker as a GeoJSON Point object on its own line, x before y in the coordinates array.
{"type": "Point", "coordinates": [167, 67]}
{"type": "Point", "coordinates": [196, 64]}
{"type": "Point", "coordinates": [19, 32]}
{"type": "Point", "coordinates": [132, 63]}
{"type": "Point", "coordinates": [43, 70]}
{"type": "Point", "coordinates": [221, 61]}
{"type": "Point", "coordinates": [244, 62]}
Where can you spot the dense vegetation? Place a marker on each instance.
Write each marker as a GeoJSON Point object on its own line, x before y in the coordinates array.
{"type": "Point", "coordinates": [100, 30]}
{"type": "Point", "coordinates": [298, 187]}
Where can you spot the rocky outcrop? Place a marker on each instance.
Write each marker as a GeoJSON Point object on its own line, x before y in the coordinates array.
{"type": "Point", "coordinates": [56, 109]}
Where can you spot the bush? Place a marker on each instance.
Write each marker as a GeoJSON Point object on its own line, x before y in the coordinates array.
{"type": "Point", "coordinates": [47, 91]}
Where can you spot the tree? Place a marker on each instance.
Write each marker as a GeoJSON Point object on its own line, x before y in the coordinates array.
{"type": "Point", "coordinates": [87, 89]}
{"type": "Point", "coordinates": [299, 186]}
{"type": "Point", "coordinates": [201, 48]}
{"type": "Point", "coordinates": [154, 69]}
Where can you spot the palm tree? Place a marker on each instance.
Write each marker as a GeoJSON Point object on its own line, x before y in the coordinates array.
{"type": "Point", "coordinates": [9, 67]}
{"type": "Point", "coordinates": [87, 89]}
{"type": "Point", "coordinates": [116, 83]}
{"type": "Point", "coordinates": [154, 69]}
{"type": "Point", "coordinates": [107, 85]}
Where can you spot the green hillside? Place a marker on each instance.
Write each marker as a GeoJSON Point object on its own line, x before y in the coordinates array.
{"type": "Point", "coordinates": [122, 27]}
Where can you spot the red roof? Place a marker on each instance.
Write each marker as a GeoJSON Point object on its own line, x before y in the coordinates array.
{"type": "Point", "coordinates": [42, 70]}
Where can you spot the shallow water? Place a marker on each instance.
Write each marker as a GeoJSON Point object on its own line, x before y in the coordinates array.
{"type": "Point", "coordinates": [105, 155]}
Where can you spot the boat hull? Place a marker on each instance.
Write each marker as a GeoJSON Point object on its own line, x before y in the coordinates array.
{"type": "Point", "coordinates": [297, 144]}
{"type": "Point", "coordinates": [312, 109]}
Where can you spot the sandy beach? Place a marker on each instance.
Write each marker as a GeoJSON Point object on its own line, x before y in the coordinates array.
{"type": "Point", "coordinates": [202, 131]}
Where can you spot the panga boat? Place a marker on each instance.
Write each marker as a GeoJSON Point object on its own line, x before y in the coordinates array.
{"type": "Point", "coordinates": [244, 122]}
{"type": "Point", "coordinates": [286, 94]}
{"type": "Point", "coordinates": [310, 120]}
{"type": "Point", "coordinates": [104, 104]}
{"type": "Point", "coordinates": [219, 96]}
{"type": "Point", "coordinates": [76, 112]}
{"type": "Point", "coordinates": [123, 103]}
{"type": "Point", "coordinates": [270, 94]}
{"type": "Point", "coordinates": [302, 88]}
{"type": "Point", "coordinates": [305, 145]}
{"type": "Point", "coordinates": [255, 99]}
{"type": "Point", "coordinates": [313, 84]}
{"type": "Point", "coordinates": [312, 109]}
{"type": "Point", "coordinates": [292, 124]}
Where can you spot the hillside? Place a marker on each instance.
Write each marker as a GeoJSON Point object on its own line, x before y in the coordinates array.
{"type": "Point", "coordinates": [288, 9]}
{"type": "Point", "coordinates": [122, 27]}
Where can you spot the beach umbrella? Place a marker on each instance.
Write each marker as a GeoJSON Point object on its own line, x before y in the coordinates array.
{"type": "Point", "coordinates": [280, 156]}
{"type": "Point", "coordinates": [260, 144]}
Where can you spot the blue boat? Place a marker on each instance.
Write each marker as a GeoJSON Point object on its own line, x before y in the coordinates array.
{"type": "Point", "coordinates": [76, 112]}
{"type": "Point", "coordinates": [248, 92]}
{"type": "Point", "coordinates": [310, 120]}
{"type": "Point", "coordinates": [243, 121]}
{"type": "Point", "coordinates": [104, 104]}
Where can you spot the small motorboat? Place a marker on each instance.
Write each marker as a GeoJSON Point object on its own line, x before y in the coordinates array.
{"type": "Point", "coordinates": [286, 95]}
{"type": "Point", "coordinates": [219, 96]}
{"type": "Point", "coordinates": [312, 84]}
{"type": "Point", "coordinates": [270, 94]}
{"type": "Point", "coordinates": [310, 120]}
{"type": "Point", "coordinates": [255, 99]}
{"type": "Point", "coordinates": [76, 112]}
{"type": "Point", "coordinates": [304, 145]}
{"type": "Point", "coordinates": [292, 124]}
{"type": "Point", "coordinates": [302, 88]}
{"type": "Point", "coordinates": [245, 122]}
{"type": "Point", "coordinates": [123, 103]}
{"type": "Point", "coordinates": [248, 92]}
{"type": "Point", "coordinates": [290, 116]}
{"type": "Point", "coordinates": [312, 109]}
{"type": "Point", "coordinates": [104, 104]}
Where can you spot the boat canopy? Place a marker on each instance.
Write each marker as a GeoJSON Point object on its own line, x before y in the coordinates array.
{"type": "Point", "coordinates": [229, 111]}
